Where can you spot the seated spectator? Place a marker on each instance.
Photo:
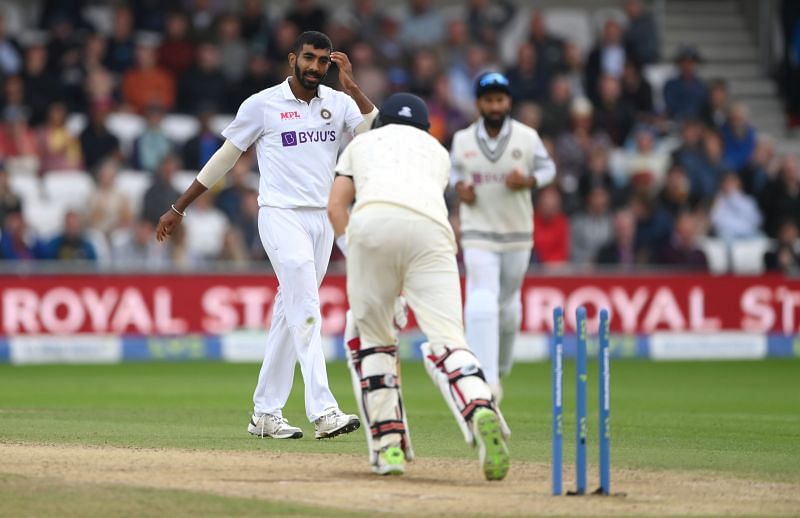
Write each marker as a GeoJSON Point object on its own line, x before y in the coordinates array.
{"type": "Point", "coordinates": [423, 26]}
{"type": "Point", "coordinates": [734, 214]}
{"type": "Point", "coordinates": [572, 148]}
{"type": "Point", "coordinates": [551, 229]}
{"type": "Point", "coordinates": [780, 199]}
{"type": "Point", "coordinates": [641, 35]}
{"type": "Point", "coordinates": [700, 154]}
{"type": "Point", "coordinates": [260, 74]}
{"type": "Point", "coordinates": [176, 53]}
{"type": "Point", "coordinates": [255, 24]}
{"type": "Point", "coordinates": [445, 117]}
{"type": "Point", "coordinates": [134, 248]}
{"type": "Point", "coordinates": [233, 247]}
{"type": "Point", "coordinates": [681, 249]}
{"type": "Point", "coordinates": [59, 149]}
{"type": "Point", "coordinates": [607, 59]}
{"type": "Point", "coordinates": [41, 86]}
{"type": "Point", "coordinates": [147, 83]}
{"type": "Point", "coordinates": [100, 88]}
{"type": "Point", "coordinates": [15, 242]}
{"type": "Point", "coordinates": [18, 143]}
{"type": "Point", "coordinates": [71, 244]}
{"type": "Point", "coordinates": [529, 114]}
{"type": "Point", "coordinates": [549, 48]}
{"type": "Point", "coordinates": [739, 138]}
{"type": "Point", "coordinates": [108, 208]}
{"type": "Point", "coordinates": [653, 226]}
{"type": "Point", "coordinates": [620, 249]}
{"type": "Point", "coordinates": [486, 20]}
{"type": "Point", "coordinates": [613, 115]}
{"type": "Point", "coordinates": [676, 196]}
{"type": "Point", "coordinates": [150, 148]}
{"type": "Point", "coordinates": [596, 174]}
{"type": "Point", "coordinates": [637, 92]}
{"type": "Point", "coordinates": [232, 49]}
{"type": "Point", "coordinates": [786, 256]}
{"type": "Point", "coordinates": [206, 229]}
{"type": "Point", "coordinates": [248, 226]}
{"type": "Point", "coordinates": [556, 108]}
{"type": "Point", "coordinates": [425, 68]}
{"type": "Point", "coordinates": [120, 49]}
{"type": "Point", "coordinates": [526, 80]}
{"type": "Point", "coordinates": [763, 166]}
{"type": "Point", "coordinates": [97, 143]}
{"type": "Point", "coordinates": [239, 184]}
{"type": "Point", "coordinates": [10, 57]}
{"type": "Point", "coordinates": [592, 228]}
{"type": "Point", "coordinates": [462, 78]}
{"type": "Point", "coordinates": [370, 77]}
{"type": "Point", "coordinates": [715, 111]}
{"type": "Point", "coordinates": [9, 201]}
{"type": "Point", "coordinates": [307, 15]}
{"type": "Point", "coordinates": [573, 69]}
{"type": "Point", "coordinates": [204, 82]}
{"type": "Point", "coordinates": [198, 149]}
{"type": "Point", "coordinates": [161, 194]}
{"type": "Point", "coordinates": [685, 95]}
{"type": "Point", "coordinates": [646, 167]}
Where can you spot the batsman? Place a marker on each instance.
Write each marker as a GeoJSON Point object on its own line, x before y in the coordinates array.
{"type": "Point", "coordinates": [398, 240]}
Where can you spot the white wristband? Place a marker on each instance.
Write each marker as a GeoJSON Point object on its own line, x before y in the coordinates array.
{"type": "Point", "coordinates": [341, 242]}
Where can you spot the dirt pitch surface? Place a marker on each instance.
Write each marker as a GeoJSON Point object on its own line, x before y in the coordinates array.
{"type": "Point", "coordinates": [430, 486]}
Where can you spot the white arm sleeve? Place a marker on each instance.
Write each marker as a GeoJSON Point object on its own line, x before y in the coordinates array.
{"type": "Point", "coordinates": [219, 164]}
{"type": "Point", "coordinates": [367, 123]}
{"type": "Point", "coordinates": [543, 167]}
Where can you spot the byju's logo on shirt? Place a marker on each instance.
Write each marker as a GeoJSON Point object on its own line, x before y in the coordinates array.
{"type": "Point", "coordinates": [293, 138]}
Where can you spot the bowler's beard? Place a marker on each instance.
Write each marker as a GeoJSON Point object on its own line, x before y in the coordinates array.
{"type": "Point", "coordinates": [302, 80]}
{"type": "Point", "coordinates": [493, 121]}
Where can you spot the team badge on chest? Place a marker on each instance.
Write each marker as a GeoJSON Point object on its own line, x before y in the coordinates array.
{"type": "Point", "coordinates": [325, 113]}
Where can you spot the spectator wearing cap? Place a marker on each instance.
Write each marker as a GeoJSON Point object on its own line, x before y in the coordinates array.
{"type": "Point", "coordinates": [607, 58]}
{"type": "Point", "coordinates": [150, 148]}
{"type": "Point", "coordinates": [148, 83]}
{"type": "Point", "coordinates": [739, 137]}
{"type": "Point", "coordinates": [685, 95]}
{"type": "Point", "coordinates": [59, 149]}
{"type": "Point", "coordinates": [198, 149]}
{"type": "Point", "coordinates": [176, 52]}
{"type": "Point", "coordinates": [204, 83]}
{"type": "Point", "coordinates": [71, 244]}
{"type": "Point", "coordinates": [641, 34]}
{"type": "Point", "coordinates": [97, 143]}
{"type": "Point", "coordinates": [423, 26]}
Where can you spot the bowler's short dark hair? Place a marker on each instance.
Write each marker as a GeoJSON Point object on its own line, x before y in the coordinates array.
{"type": "Point", "coordinates": [316, 39]}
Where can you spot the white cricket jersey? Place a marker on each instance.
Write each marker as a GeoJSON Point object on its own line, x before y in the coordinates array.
{"type": "Point", "coordinates": [500, 219]}
{"type": "Point", "coordinates": [296, 142]}
{"type": "Point", "coordinates": [399, 165]}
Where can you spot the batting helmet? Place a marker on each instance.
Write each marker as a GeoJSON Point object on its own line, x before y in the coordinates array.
{"type": "Point", "coordinates": [404, 108]}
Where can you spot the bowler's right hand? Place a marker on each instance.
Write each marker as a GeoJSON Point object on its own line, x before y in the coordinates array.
{"type": "Point", "coordinates": [466, 192]}
{"type": "Point", "coordinates": [167, 223]}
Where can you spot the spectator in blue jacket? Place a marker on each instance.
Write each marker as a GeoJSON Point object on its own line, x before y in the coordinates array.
{"type": "Point", "coordinates": [739, 137]}
{"type": "Point", "coordinates": [686, 95]}
{"type": "Point", "coordinates": [72, 244]}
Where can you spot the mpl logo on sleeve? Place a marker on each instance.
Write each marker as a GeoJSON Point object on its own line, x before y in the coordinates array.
{"type": "Point", "coordinates": [293, 138]}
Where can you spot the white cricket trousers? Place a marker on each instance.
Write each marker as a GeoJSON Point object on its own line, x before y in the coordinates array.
{"type": "Point", "coordinates": [392, 249]}
{"type": "Point", "coordinates": [493, 306]}
{"type": "Point", "coordinates": [298, 243]}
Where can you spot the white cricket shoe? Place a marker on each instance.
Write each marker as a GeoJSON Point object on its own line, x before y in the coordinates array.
{"type": "Point", "coordinates": [270, 425]}
{"type": "Point", "coordinates": [335, 423]}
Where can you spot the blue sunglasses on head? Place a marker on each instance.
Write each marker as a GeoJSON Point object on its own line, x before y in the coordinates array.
{"type": "Point", "coordinates": [495, 78]}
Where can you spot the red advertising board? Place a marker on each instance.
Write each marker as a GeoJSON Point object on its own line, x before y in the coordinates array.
{"type": "Point", "coordinates": [205, 303]}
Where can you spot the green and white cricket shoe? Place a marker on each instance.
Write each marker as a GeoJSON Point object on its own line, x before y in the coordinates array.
{"type": "Point", "coordinates": [391, 461]}
{"type": "Point", "coordinates": [494, 456]}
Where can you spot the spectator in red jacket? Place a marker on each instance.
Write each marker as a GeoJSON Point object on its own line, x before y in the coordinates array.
{"type": "Point", "coordinates": [551, 229]}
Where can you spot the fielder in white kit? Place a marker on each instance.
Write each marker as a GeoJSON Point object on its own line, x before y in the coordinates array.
{"type": "Point", "coordinates": [297, 128]}
{"type": "Point", "coordinates": [398, 239]}
{"type": "Point", "coordinates": [496, 162]}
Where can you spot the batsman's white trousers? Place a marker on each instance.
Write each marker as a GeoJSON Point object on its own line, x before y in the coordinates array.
{"type": "Point", "coordinates": [493, 306]}
{"type": "Point", "coordinates": [298, 243]}
{"type": "Point", "coordinates": [392, 249]}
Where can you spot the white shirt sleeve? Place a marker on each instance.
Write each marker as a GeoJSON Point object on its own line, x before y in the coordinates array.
{"type": "Point", "coordinates": [456, 167]}
{"type": "Point", "coordinates": [352, 116]}
{"type": "Point", "coordinates": [344, 166]}
{"type": "Point", "coordinates": [248, 126]}
{"type": "Point", "coordinates": [542, 166]}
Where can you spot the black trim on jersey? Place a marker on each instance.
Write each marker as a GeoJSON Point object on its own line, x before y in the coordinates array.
{"type": "Point", "coordinates": [508, 237]}
{"type": "Point", "coordinates": [502, 144]}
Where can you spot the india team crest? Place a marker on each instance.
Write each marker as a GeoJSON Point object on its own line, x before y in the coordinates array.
{"type": "Point", "coordinates": [325, 113]}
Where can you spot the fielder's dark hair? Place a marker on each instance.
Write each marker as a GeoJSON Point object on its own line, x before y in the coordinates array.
{"type": "Point", "coordinates": [316, 39]}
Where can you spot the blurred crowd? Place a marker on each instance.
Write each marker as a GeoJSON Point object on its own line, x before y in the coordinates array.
{"type": "Point", "coordinates": [646, 173]}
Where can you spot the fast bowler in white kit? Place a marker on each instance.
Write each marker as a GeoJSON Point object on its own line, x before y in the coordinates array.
{"type": "Point", "coordinates": [398, 239]}
{"type": "Point", "coordinates": [297, 128]}
{"type": "Point", "coordinates": [496, 163]}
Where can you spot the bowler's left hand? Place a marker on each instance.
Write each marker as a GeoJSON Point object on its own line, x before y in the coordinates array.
{"type": "Point", "coordinates": [517, 180]}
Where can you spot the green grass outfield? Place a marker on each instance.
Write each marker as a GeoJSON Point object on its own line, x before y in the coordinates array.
{"type": "Point", "coordinates": [737, 418]}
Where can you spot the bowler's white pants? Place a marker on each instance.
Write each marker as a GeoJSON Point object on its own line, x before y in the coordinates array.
{"type": "Point", "coordinates": [493, 306]}
{"type": "Point", "coordinates": [298, 243]}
